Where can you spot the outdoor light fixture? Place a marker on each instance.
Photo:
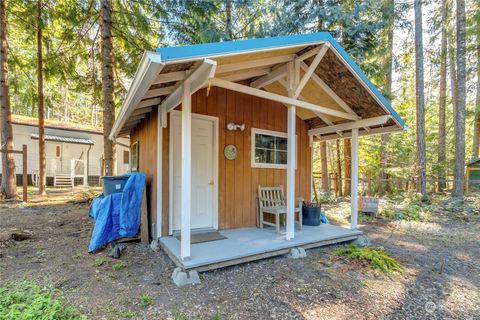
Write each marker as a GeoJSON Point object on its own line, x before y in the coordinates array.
{"type": "Point", "coordinates": [233, 126]}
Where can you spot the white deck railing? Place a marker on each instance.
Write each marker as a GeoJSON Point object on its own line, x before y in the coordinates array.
{"type": "Point", "coordinates": [78, 169]}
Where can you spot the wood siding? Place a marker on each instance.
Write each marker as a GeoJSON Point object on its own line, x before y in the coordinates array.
{"type": "Point", "coordinates": [238, 181]}
{"type": "Point", "coordinates": [146, 134]}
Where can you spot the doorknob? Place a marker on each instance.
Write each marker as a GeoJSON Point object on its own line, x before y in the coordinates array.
{"type": "Point", "coordinates": [211, 182]}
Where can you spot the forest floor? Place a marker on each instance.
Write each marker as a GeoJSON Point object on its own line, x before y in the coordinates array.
{"type": "Point", "coordinates": [441, 256]}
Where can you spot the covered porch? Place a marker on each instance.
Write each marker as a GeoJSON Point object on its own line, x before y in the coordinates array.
{"type": "Point", "coordinates": [301, 89]}
{"type": "Point", "coordinates": [249, 244]}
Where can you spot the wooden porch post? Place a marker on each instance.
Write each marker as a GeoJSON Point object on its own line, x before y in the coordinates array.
{"type": "Point", "coordinates": [291, 157]}
{"type": "Point", "coordinates": [186, 173]}
{"type": "Point", "coordinates": [354, 180]}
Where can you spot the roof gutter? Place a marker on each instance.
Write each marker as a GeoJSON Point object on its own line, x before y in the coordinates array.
{"type": "Point", "coordinates": [148, 69]}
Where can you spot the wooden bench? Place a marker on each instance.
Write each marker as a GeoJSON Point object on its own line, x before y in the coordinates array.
{"type": "Point", "coordinates": [271, 200]}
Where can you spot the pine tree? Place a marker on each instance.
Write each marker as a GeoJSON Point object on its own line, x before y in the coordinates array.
{"type": "Point", "coordinates": [442, 155]}
{"type": "Point", "coordinates": [323, 157]}
{"type": "Point", "coordinates": [107, 87]}
{"type": "Point", "coordinates": [347, 155]}
{"type": "Point", "coordinates": [339, 167]}
{"type": "Point", "coordinates": [42, 184]}
{"type": "Point", "coordinates": [460, 103]}
{"type": "Point", "coordinates": [476, 125]}
{"type": "Point", "coordinates": [8, 185]}
{"type": "Point", "coordinates": [420, 100]}
{"type": "Point", "coordinates": [389, 8]}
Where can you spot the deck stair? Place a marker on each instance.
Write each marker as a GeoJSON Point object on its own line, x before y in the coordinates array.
{"type": "Point", "coordinates": [63, 180]}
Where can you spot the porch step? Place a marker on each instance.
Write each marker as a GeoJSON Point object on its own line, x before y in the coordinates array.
{"type": "Point", "coordinates": [62, 180]}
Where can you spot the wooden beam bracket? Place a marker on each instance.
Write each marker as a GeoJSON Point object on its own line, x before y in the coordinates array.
{"type": "Point", "coordinates": [279, 98]}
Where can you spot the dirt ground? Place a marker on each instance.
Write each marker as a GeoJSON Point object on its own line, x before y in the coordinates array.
{"type": "Point", "coordinates": [441, 256]}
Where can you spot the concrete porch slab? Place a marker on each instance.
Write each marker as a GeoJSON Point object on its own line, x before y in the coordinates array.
{"type": "Point", "coordinates": [249, 244]}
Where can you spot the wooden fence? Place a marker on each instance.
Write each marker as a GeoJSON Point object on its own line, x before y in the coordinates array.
{"type": "Point", "coordinates": [23, 152]}
{"type": "Point", "coordinates": [370, 186]}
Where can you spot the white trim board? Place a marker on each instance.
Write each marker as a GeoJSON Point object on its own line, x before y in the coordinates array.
{"type": "Point", "coordinates": [280, 134]}
{"type": "Point", "coordinates": [159, 174]}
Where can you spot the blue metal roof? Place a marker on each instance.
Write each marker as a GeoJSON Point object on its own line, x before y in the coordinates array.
{"type": "Point", "coordinates": [228, 47]}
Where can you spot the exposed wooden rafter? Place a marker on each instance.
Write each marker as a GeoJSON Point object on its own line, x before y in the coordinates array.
{"type": "Point", "coordinates": [197, 79]}
{"type": "Point", "coordinates": [141, 111]}
{"type": "Point", "coordinates": [350, 125]}
{"type": "Point", "coordinates": [147, 103]}
{"type": "Point", "coordinates": [152, 93]}
{"type": "Point", "coordinates": [362, 132]}
{"type": "Point", "coordinates": [239, 76]}
{"type": "Point", "coordinates": [323, 117]}
{"type": "Point", "coordinates": [308, 54]}
{"type": "Point", "coordinates": [254, 63]}
{"type": "Point", "coordinates": [279, 98]}
{"type": "Point", "coordinates": [170, 77]}
{"type": "Point", "coordinates": [311, 69]}
{"type": "Point", "coordinates": [275, 75]}
{"type": "Point", "coordinates": [328, 90]}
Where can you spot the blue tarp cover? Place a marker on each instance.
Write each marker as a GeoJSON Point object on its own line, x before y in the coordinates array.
{"type": "Point", "coordinates": [323, 218]}
{"type": "Point", "coordinates": [118, 214]}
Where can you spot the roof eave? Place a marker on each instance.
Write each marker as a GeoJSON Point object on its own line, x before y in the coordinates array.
{"type": "Point", "coordinates": [150, 66]}
{"type": "Point", "coordinates": [209, 50]}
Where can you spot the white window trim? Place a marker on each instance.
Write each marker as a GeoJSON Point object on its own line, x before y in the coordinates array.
{"type": "Point", "coordinates": [252, 149]}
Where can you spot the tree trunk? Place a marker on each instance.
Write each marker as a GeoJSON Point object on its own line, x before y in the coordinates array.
{"type": "Point", "coordinates": [65, 104]}
{"type": "Point", "coordinates": [476, 125]}
{"type": "Point", "coordinates": [42, 184]}
{"type": "Point", "coordinates": [319, 18]}
{"type": "Point", "coordinates": [453, 85]}
{"type": "Point", "coordinates": [107, 88]}
{"type": "Point", "coordinates": [323, 157]}
{"type": "Point", "coordinates": [331, 162]}
{"type": "Point", "coordinates": [339, 167]}
{"type": "Point", "coordinates": [420, 100]}
{"type": "Point", "coordinates": [460, 103]}
{"type": "Point", "coordinates": [347, 154]}
{"type": "Point", "coordinates": [8, 186]}
{"type": "Point", "coordinates": [382, 187]}
{"type": "Point", "coordinates": [228, 20]}
{"type": "Point", "coordinates": [442, 155]}
{"type": "Point", "coordinates": [92, 107]}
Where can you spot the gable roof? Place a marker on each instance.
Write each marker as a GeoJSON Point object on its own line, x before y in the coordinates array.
{"type": "Point", "coordinates": [341, 78]}
{"type": "Point", "coordinates": [473, 161]}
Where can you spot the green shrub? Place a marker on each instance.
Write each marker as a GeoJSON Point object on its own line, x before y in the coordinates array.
{"type": "Point", "coordinates": [180, 316]}
{"type": "Point", "coordinates": [146, 300]}
{"type": "Point", "coordinates": [409, 213]}
{"type": "Point", "coordinates": [217, 316]}
{"type": "Point", "coordinates": [118, 266]}
{"type": "Point", "coordinates": [128, 314]}
{"type": "Point", "coordinates": [100, 261]}
{"type": "Point", "coordinates": [26, 300]}
{"type": "Point", "coordinates": [377, 257]}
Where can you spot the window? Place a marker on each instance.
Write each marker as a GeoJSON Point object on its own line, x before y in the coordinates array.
{"type": "Point", "coordinates": [269, 149]}
{"type": "Point", "coordinates": [57, 151]}
{"type": "Point", "coordinates": [135, 150]}
{"type": "Point", "coordinates": [126, 155]}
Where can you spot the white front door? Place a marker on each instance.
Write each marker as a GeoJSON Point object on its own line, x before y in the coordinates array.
{"type": "Point", "coordinates": [204, 158]}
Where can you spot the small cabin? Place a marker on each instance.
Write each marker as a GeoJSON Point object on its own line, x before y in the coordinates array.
{"type": "Point", "coordinates": [216, 123]}
{"type": "Point", "coordinates": [73, 151]}
{"type": "Point", "coordinates": [472, 174]}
